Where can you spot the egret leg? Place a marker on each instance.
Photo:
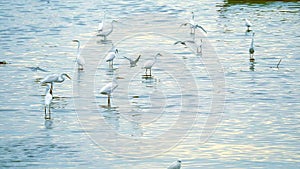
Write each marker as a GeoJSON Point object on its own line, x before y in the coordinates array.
{"type": "Point", "coordinates": [150, 72]}
{"type": "Point", "coordinates": [49, 112]}
{"type": "Point", "coordinates": [108, 100]}
{"type": "Point", "coordinates": [146, 71]}
{"type": "Point", "coordinates": [51, 88]}
{"type": "Point", "coordinates": [45, 113]}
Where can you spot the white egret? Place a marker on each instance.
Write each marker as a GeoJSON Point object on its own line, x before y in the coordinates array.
{"type": "Point", "coordinates": [108, 89]}
{"type": "Point", "coordinates": [48, 100]}
{"type": "Point", "coordinates": [55, 78]}
{"type": "Point", "coordinates": [193, 24]}
{"type": "Point", "coordinates": [111, 56]}
{"type": "Point", "coordinates": [101, 24]}
{"type": "Point", "coordinates": [149, 63]}
{"type": "Point", "coordinates": [251, 49]}
{"type": "Point", "coordinates": [248, 24]}
{"type": "Point", "coordinates": [80, 60]}
{"type": "Point", "coordinates": [185, 43]}
{"type": "Point", "coordinates": [175, 165]}
{"type": "Point", "coordinates": [133, 62]}
{"type": "Point", "coordinates": [106, 34]}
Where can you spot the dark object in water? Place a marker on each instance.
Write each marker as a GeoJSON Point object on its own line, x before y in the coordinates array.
{"type": "Point", "coordinates": [277, 66]}
{"type": "Point", "coordinates": [3, 62]}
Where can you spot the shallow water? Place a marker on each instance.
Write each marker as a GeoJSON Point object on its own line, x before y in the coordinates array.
{"type": "Point", "coordinates": [151, 121]}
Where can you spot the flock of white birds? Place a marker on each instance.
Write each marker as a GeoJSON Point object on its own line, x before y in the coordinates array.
{"type": "Point", "coordinates": [148, 64]}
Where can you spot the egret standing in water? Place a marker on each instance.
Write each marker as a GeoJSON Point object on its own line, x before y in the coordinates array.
{"type": "Point", "coordinates": [80, 60]}
{"type": "Point", "coordinates": [106, 34]}
{"type": "Point", "coordinates": [48, 100]}
{"type": "Point", "coordinates": [55, 78]}
{"type": "Point", "coordinates": [248, 24]}
{"type": "Point", "coordinates": [149, 63]}
{"type": "Point", "coordinates": [251, 49]}
{"type": "Point", "coordinates": [175, 165]}
{"type": "Point", "coordinates": [131, 61]}
{"type": "Point", "coordinates": [111, 56]}
{"type": "Point", "coordinates": [108, 89]}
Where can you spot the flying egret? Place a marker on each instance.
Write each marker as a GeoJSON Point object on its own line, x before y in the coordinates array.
{"type": "Point", "coordinates": [193, 24]}
{"type": "Point", "coordinates": [248, 24]}
{"type": "Point", "coordinates": [101, 24]}
{"type": "Point", "coordinates": [37, 68]}
{"type": "Point", "coordinates": [175, 165]}
{"type": "Point", "coordinates": [48, 100]}
{"type": "Point", "coordinates": [251, 49]}
{"type": "Point", "coordinates": [111, 56]}
{"type": "Point", "coordinates": [133, 62]}
{"type": "Point", "coordinates": [184, 42]}
{"type": "Point", "coordinates": [108, 89]}
{"type": "Point", "coordinates": [149, 63]}
{"type": "Point", "coordinates": [105, 34]}
{"type": "Point", "coordinates": [80, 60]}
{"type": "Point", "coordinates": [55, 78]}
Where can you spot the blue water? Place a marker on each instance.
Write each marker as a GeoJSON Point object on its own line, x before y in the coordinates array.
{"type": "Point", "coordinates": [151, 122]}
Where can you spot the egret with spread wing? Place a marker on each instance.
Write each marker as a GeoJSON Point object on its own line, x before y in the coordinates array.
{"type": "Point", "coordinates": [131, 61]}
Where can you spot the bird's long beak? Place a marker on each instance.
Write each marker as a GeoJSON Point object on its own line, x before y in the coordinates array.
{"type": "Point", "coordinates": [75, 40]}
{"type": "Point", "coordinates": [68, 76]}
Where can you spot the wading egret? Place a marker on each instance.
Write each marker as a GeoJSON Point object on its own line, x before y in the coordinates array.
{"type": "Point", "coordinates": [48, 100]}
{"type": "Point", "coordinates": [108, 89]}
{"type": "Point", "coordinates": [55, 78]}
{"type": "Point", "coordinates": [105, 34]}
{"type": "Point", "coordinates": [133, 62]}
{"type": "Point", "coordinates": [111, 56]}
{"type": "Point", "coordinates": [149, 63]}
{"type": "Point", "coordinates": [80, 60]}
{"type": "Point", "coordinates": [175, 165]}
{"type": "Point", "coordinates": [101, 24]}
{"type": "Point", "coordinates": [251, 49]}
{"type": "Point", "coordinates": [248, 24]}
